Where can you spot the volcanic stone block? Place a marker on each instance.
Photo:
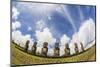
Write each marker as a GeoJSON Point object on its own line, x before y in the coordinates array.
{"type": "Point", "coordinates": [82, 46]}
{"type": "Point", "coordinates": [56, 50]}
{"type": "Point", "coordinates": [45, 49]}
{"type": "Point", "coordinates": [67, 49]}
{"type": "Point", "coordinates": [27, 45]}
{"type": "Point", "coordinates": [76, 48]}
{"type": "Point", "coordinates": [34, 48]}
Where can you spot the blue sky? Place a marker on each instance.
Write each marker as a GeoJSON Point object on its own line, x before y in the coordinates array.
{"type": "Point", "coordinates": [66, 20]}
{"type": "Point", "coordinates": [45, 22]}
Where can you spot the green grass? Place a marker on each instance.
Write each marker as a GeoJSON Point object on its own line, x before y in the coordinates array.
{"type": "Point", "coordinates": [21, 58]}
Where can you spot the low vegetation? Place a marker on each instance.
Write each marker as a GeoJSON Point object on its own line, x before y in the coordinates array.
{"type": "Point", "coordinates": [19, 57]}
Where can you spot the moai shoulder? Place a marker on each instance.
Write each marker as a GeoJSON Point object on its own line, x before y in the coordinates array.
{"type": "Point", "coordinates": [45, 49]}
{"type": "Point", "coordinates": [34, 48]}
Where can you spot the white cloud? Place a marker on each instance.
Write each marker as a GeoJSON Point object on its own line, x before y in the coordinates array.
{"type": "Point", "coordinates": [64, 39]}
{"type": "Point", "coordinates": [16, 35]}
{"type": "Point", "coordinates": [35, 9]}
{"type": "Point", "coordinates": [62, 52]}
{"type": "Point", "coordinates": [40, 24]}
{"type": "Point", "coordinates": [50, 52]}
{"type": "Point", "coordinates": [49, 18]}
{"type": "Point", "coordinates": [15, 13]}
{"type": "Point", "coordinates": [16, 25]}
{"type": "Point", "coordinates": [90, 44]}
{"type": "Point", "coordinates": [45, 36]}
{"type": "Point", "coordinates": [39, 49]}
{"type": "Point", "coordinates": [21, 39]}
{"type": "Point", "coordinates": [85, 35]}
{"type": "Point", "coordinates": [74, 40]}
{"type": "Point", "coordinates": [29, 29]}
{"type": "Point", "coordinates": [87, 31]}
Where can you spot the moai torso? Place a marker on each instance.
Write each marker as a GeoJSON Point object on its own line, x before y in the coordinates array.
{"type": "Point", "coordinates": [56, 50]}
{"type": "Point", "coordinates": [76, 48]}
{"type": "Point", "coordinates": [34, 48]}
{"type": "Point", "coordinates": [67, 50]}
{"type": "Point", "coordinates": [27, 45]}
{"type": "Point", "coordinates": [45, 49]}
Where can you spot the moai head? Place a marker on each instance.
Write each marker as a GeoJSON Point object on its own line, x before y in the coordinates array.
{"type": "Point", "coordinates": [56, 45]}
{"type": "Point", "coordinates": [76, 48]}
{"type": "Point", "coordinates": [45, 49]}
{"type": "Point", "coordinates": [56, 50]}
{"type": "Point", "coordinates": [27, 42]}
{"type": "Point", "coordinates": [35, 43]}
{"type": "Point", "coordinates": [82, 46]}
{"type": "Point", "coordinates": [45, 44]}
{"type": "Point", "coordinates": [34, 48]}
{"type": "Point", "coordinates": [27, 45]}
{"type": "Point", "coordinates": [66, 45]}
{"type": "Point", "coordinates": [67, 49]}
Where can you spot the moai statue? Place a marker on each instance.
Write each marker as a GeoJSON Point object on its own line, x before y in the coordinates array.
{"type": "Point", "coordinates": [27, 45]}
{"type": "Point", "coordinates": [34, 48]}
{"type": "Point", "coordinates": [44, 49]}
{"type": "Point", "coordinates": [56, 50]}
{"type": "Point", "coordinates": [82, 46]}
{"type": "Point", "coordinates": [76, 48]}
{"type": "Point", "coordinates": [67, 49]}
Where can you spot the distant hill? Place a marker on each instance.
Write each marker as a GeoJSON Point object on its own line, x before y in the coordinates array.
{"type": "Point", "coordinates": [21, 58]}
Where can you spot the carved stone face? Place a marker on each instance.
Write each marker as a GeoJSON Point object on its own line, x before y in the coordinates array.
{"type": "Point", "coordinates": [45, 44]}
{"type": "Point", "coordinates": [27, 42]}
{"type": "Point", "coordinates": [66, 45]}
{"type": "Point", "coordinates": [76, 45]}
{"type": "Point", "coordinates": [35, 43]}
{"type": "Point", "coordinates": [56, 45]}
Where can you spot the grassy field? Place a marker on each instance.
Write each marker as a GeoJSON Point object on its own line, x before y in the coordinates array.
{"type": "Point", "coordinates": [21, 58]}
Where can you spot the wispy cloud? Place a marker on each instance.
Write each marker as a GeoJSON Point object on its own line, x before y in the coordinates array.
{"type": "Point", "coordinates": [29, 29]}
{"type": "Point", "coordinates": [16, 25]}
{"type": "Point", "coordinates": [45, 32]}
{"type": "Point", "coordinates": [15, 13]}
{"type": "Point", "coordinates": [64, 39]}
{"type": "Point", "coordinates": [40, 24]}
{"type": "Point", "coordinates": [21, 39]}
{"type": "Point", "coordinates": [81, 14]}
{"type": "Point", "coordinates": [68, 16]}
{"type": "Point", "coordinates": [45, 36]}
{"type": "Point", "coordinates": [86, 34]}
